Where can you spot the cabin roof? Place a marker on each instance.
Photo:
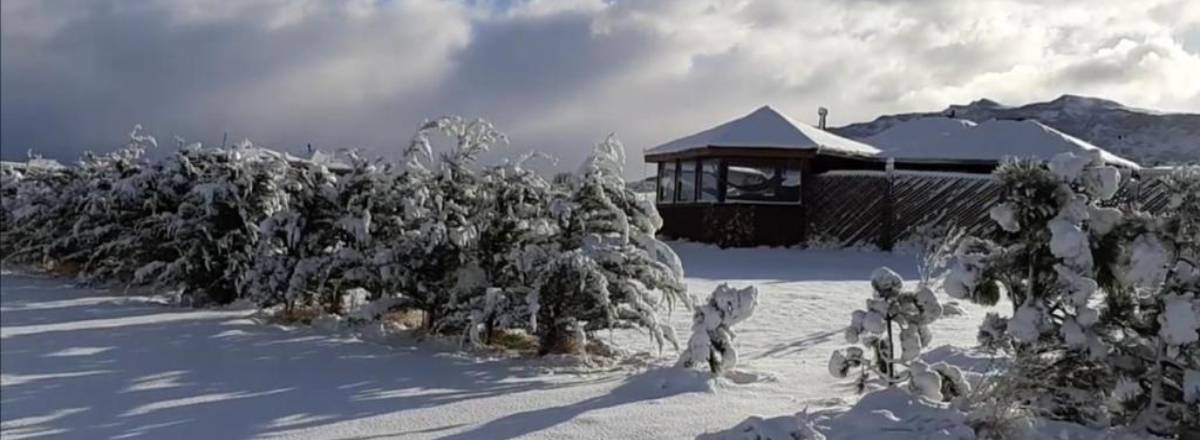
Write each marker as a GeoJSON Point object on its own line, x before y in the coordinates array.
{"type": "Point", "coordinates": [766, 128]}
{"type": "Point", "coordinates": [34, 163]}
{"type": "Point", "coordinates": [947, 140]}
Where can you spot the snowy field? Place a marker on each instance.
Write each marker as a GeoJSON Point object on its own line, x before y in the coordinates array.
{"type": "Point", "coordinates": [89, 364]}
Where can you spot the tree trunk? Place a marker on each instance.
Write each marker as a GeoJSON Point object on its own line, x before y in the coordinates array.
{"type": "Point", "coordinates": [891, 355]}
{"type": "Point", "coordinates": [558, 339]}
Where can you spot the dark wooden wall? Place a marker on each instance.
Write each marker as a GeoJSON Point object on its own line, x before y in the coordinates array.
{"type": "Point", "coordinates": [856, 208]}
{"type": "Point", "coordinates": [735, 224]}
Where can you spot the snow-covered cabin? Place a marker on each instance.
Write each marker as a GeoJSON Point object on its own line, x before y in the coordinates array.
{"type": "Point", "coordinates": [766, 179]}
{"type": "Point", "coordinates": [752, 167]}
{"type": "Point", "coordinates": [939, 143]}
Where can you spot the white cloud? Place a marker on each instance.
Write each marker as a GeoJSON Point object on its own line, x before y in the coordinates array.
{"type": "Point", "coordinates": [559, 75]}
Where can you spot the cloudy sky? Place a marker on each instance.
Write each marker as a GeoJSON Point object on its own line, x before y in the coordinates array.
{"type": "Point", "coordinates": [559, 75]}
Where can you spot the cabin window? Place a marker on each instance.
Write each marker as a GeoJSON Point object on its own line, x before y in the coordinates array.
{"type": "Point", "coordinates": [762, 183]}
{"type": "Point", "coordinates": [687, 181]}
{"type": "Point", "coordinates": [790, 188]}
{"type": "Point", "coordinates": [666, 182]}
{"type": "Point", "coordinates": [710, 174]}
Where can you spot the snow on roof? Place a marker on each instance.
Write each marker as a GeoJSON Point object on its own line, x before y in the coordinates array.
{"type": "Point", "coordinates": [937, 138]}
{"type": "Point", "coordinates": [35, 163]}
{"type": "Point", "coordinates": [329, 160]}
{"type": "Point", "coordinates": [318, 157]}
{"type": "Point", "coordinates": [767, 128]}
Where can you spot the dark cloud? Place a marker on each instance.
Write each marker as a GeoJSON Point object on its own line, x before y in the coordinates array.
{"type": "Point", "coordinates": [557, 76]}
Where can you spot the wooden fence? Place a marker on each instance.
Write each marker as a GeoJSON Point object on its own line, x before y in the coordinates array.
{"type": "Point", "coordinates": [854, 208]}
{"type": "Point", "coordinates": [1148, 193]}
{"type": "Point", "coordinates": [850, 208]}
{"type": "Point", "coordinates": [870, 208]}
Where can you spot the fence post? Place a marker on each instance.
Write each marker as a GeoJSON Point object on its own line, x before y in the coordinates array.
{"type": "Point", "coordinates": [887, 237]}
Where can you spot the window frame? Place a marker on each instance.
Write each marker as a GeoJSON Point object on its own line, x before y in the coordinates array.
{"type": "Point", "coordinates": [680, 180]}
{"type": "Point", "coordinates": [701, 173]}
{"type": "Point", "coordinates": [660, 188]}
{"type": "Point", "coordinates": [780, 169]}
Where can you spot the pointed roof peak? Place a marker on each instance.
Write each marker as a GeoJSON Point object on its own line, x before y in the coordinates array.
{"type": "Point", "coordinates": [766, 127]}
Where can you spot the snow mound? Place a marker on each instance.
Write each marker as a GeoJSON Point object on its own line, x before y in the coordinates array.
{"type": "Point", "coordinates": [938, 138]}
{"type": "Point", "coordinates": [655, 383]}
{"type": "Point", "coordinates": [890, 413]}
{"type": "Point", "coordinates": [746, 377]}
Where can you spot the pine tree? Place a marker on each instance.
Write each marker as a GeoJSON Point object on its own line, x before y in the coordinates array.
{"type": "Point", "coordinates": [1045, 260]}
{"type": "Point", "coordinates": [1103, 309]}
{"type": "Point", "coordinates": [295, 242]}
{"type": "Point", "coordinates": [607, 227]}
{"type": "Point", "coordinates": [434, 262]}
{"type": "Point", "coordinates": [215, 231]}
{"type": "Point", "coordinates": [1153, 313]}
{"type": "Point", "coordinates": [34, 212]}
{"type": "Point", "coordinates": [517, 237]}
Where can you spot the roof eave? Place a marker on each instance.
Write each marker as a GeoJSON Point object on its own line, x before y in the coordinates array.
{"type": "Point", "coordinates": [731, 151]}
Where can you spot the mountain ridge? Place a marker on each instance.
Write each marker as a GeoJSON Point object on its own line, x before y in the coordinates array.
{"type": "Point", "coordinates": [1149, 137]}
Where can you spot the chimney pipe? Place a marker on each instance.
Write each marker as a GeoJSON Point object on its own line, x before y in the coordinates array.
{"type": "Point", "coordinates": [821, 112]}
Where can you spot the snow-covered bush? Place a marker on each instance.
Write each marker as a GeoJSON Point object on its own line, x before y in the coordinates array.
{"type": "Point", "coordinates": [613, 228]}
{"type": "Point", "coordinates": [934, 245]}
{"type": "Point", "coordinates": [91, 218]}
{"type": "Point", "coordinates": [215, 230]}
{"type": "Point", "coordinates": [1152, 316]}
{"type": "Point", "coordinates": [1103, 302]}
{"type": "Point", "coordinates": [516, 239]}
{"type": "Point", "coordinates": [891, 308]}
{"type": "Point", "coordinates": [1043, 260]}
{"type": "Point", "coordinates": [712, 336]}
{"type": "Point", "coordinates": [361, 191]}
{"type": "Point", "coordinates": [474, 249]}
{"type": "Point", "coordinates": [431, 256]}
{"type": "Point", "coordinates": [32, 198]}
{"type": "Point", "coordinates": [296, 242]}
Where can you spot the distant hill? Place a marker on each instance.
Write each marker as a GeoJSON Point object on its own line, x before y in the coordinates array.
{"type": "Point", "coordinates": [1146, 136]}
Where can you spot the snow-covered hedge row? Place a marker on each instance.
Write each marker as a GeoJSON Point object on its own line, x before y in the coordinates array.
{"type": "Point", "coordinates": [474, 248]}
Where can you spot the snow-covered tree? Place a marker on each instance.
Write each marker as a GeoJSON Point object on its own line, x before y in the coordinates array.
{"type": "Point", "coordinates": [88, 217]}
{"type": "Point", "coordinates": [297, 241]}
{"type": "Point", "coordinates": [1044, 259]}
{"type": "Point", "coordinates": [215, 230]}
{"type": "Point", "coordinates": [1102, 298]}
{"type": "Point", "coordinates": [1152, 315]}
{"type": "Point", "coordinates": [119, 226]}
{"type": "Point", "coordinates": [711, 342]}
{"type": "Point", "coordinates": [474, 248]}
{"type": "Point", "coordinates": [431, 260]}
{"type": "Point", "coordinates": [359, 192]}
{"type": "Point", "coordinates": [889, 309]}
{"type": "Point", "coordinates": [34, 214]}
{"type": "Point", "coordinates": [517, 237]}
{"type": "Point", "coordinates": [608, 229]}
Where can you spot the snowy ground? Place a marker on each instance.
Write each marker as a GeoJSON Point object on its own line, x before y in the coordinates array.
{"type": "Point", "coordinates": [81, 363]}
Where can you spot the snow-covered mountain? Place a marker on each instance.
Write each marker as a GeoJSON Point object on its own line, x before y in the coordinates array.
{"type": "Point", "coordinates": [1146, 136]}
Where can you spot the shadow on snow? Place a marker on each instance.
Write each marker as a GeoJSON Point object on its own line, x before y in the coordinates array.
{"type": "Point", "coordinates": [217, 375]}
